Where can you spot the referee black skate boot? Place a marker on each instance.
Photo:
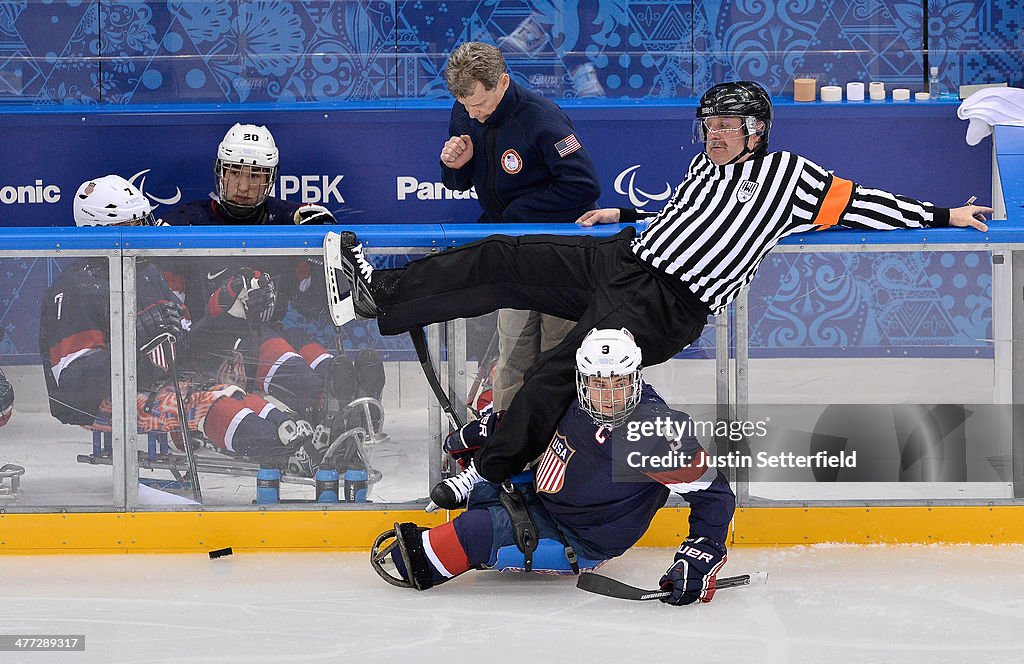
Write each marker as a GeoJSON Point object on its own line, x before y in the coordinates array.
{"type": "Point", "coordinates": [359, 273]}
{"type": "Point", "coordinates": [453, 492]}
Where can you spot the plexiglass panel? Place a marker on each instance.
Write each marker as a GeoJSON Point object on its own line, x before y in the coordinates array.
{"type": "Point", "coordinates": [272, 390]}
{"type": "Point", "coordinates": [881, 370]}
{"type": "Point", "coordinates": [68, 52]}
{"type": "Point", "coordinates": [57, 350]}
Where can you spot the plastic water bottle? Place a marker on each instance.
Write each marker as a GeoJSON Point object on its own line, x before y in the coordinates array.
{"type": "Point", "coordinates": [268, 486]}
{"type": "Point", "coordinates": [327, 485]}
{"type": "Point", "coordinates": [355, 485]}
{"type": "Point", "coordinates": [934, 87]}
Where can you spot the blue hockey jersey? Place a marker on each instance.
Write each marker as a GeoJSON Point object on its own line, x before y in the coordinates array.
{"type": "Point", "coordinates": [205, 212]}
{"type": "Point", "coordinates": [198, 279]}
{"type": "Point", "coordinates": [74, 336]}
{"type": "Point", "coordinates": [584, 481]}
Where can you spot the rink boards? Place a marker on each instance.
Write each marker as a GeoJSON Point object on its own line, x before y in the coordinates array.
{"type": "Point", "coordinates": [349, 530]}
{"type": "Point", "coordinates": [782, 514]}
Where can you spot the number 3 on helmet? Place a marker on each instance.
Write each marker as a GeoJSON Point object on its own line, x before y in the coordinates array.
{"type": "Point", "coordinates": [608, 375]}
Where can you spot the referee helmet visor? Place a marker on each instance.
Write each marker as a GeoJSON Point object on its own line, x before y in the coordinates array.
{"type": "Point", "coordinates": [744, 100]}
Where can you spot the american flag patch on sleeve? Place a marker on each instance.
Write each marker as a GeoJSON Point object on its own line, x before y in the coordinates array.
{"type": "Point", "coordinates": [567, 145]}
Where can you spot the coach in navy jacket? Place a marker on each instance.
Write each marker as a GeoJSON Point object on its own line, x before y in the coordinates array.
{"type": "Point", "coordinates": [518, 148]}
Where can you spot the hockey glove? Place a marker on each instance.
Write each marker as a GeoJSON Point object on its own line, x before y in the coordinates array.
{"type": "Point", "coordinates": [156, 323]}
{"type": "Point", "coordinates": [691, 578]}
{"type": "Point", "coordinates": [311, 214]}
{"type": "Point", "coordinates": [464, 443]}
{"type": "Point", "coordinates": [261, 298]}
{"type": "Point", "coordinates": [241, 297]}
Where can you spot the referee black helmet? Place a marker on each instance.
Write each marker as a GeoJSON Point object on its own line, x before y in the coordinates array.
{"type": "Point", "coordinates": [740, 99]}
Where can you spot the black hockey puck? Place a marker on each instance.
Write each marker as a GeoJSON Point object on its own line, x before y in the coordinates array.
{"type": "Point", "coordinates": [220, 553]}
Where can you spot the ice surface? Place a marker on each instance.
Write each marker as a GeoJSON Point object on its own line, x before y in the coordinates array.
{"type": "Point", "coordinates": [826, 603]}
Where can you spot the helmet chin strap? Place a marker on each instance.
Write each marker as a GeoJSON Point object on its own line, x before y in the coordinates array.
{"type": "Point", "coordinates": [745, 151]}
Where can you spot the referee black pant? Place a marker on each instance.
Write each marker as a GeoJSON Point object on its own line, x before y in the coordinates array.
{"type": "Point", "coordinates": [598, 282]}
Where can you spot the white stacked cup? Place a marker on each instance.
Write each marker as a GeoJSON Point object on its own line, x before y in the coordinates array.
{"type": "Point", "coordinates": [831, 93]}
{"type": "Point", "coordinates": [877, 91]}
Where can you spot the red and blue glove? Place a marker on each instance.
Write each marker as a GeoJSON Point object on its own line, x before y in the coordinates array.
{"type": "Point", "coordinates": [464, 443]}
{"type": "Point", "coordinates": [691, 578]}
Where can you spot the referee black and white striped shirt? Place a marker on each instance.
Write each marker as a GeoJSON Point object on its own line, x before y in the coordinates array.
{"type": "Point", "coordinates": [723, 220]}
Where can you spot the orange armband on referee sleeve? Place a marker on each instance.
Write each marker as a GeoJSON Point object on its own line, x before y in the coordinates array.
{"type": "Point", "coordinates": [837, 198]}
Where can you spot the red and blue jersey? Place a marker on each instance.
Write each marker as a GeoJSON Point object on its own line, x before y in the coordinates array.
{"type": "Point", "coordinates": [74, 336]}
{"type": "Point", "coordinates": [200, 281]}
{"type": "Point", "coordinates": [586, 484]}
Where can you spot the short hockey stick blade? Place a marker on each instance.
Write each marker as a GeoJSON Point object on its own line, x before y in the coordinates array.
{"type": "Point", "coordinates": [339, 306]}
{"type": "Point", "coordinates": [603, 585]}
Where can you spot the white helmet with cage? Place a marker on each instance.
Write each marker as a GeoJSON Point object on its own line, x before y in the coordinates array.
{"type": "Point", "coordinates": [246, 168]}
{"type": "Point", "coordinates": [111, 201]}
{"type": "Point", "coordinates": [608, 375]}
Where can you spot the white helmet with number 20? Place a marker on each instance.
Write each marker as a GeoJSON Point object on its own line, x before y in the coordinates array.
{"type": "Point", "coordinates": [111, 201]}
{"type": "Point", "coordinates": [246, 168]}
{"type": "Point", "coordinates": [608, 373]}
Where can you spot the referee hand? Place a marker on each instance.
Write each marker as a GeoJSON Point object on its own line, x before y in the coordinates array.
{"type": "Point", "coordinates": [970, 215]}
{"type": "Point", "coordinates": [602, 216]}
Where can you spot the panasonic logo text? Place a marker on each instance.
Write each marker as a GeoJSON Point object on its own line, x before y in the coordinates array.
{"type": "Point", "coordinates": [30, 193]}
{"type": "Point", "coordinates": [410, 187]}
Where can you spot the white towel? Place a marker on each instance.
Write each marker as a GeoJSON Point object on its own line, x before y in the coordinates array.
{"type": "Point", "coordinates": [991, 106]}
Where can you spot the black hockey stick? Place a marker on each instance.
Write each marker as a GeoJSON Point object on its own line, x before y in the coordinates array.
{"type": "Point", "coordinates": [603, 585]}
{"type": "Point", "coordinates": [419, 342]}
{"type": "Point", "coordinates": [483, 372]}
{"type": "Point", "coordinates": [186, 441]}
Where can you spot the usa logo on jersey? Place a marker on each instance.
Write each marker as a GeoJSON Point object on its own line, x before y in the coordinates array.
{"type": "Point", "coordinates": [550, 475]}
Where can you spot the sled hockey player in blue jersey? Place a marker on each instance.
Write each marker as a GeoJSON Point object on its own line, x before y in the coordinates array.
{"type": "Point", "coordinates": [243, 329]}
{"type": "Point", "coordinates": [583, 502]}
{"type": "Point", "coordinates": [75, 349]}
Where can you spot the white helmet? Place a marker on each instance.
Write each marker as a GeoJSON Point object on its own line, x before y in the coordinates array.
{"type": "Point", "coordinates": [249, 151]}
{"type": "Point", "coordinates": [608, 354]}
{"type": "Point", "coordinates": [110, 201]}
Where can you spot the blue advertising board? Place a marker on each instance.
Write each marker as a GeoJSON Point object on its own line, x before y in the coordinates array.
{"type": "Point", "coordinates": [379, 163]}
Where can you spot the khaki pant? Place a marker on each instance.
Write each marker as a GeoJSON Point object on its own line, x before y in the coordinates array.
{"type": "Point", "coordinates": [522, 336]}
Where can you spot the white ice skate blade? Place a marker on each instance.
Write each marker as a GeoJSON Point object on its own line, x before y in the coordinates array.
{"type": "Point", "coordinates": [340, 307]}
